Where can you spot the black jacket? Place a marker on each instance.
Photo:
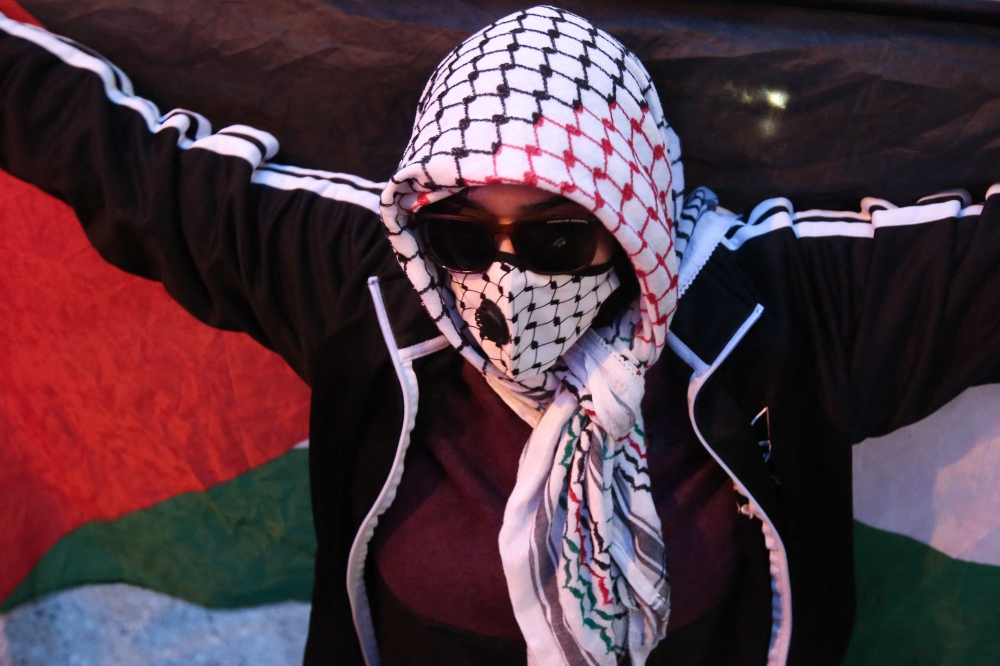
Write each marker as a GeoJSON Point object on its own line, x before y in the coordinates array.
{"type": "Point", "coordinates": [804, 333]}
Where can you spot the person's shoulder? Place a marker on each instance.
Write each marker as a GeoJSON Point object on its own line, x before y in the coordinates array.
{"type": "Point", "coordinates": [700, 226]}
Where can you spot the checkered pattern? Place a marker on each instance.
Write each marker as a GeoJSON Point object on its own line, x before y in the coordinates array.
{"type": "Point", "coordinates": [542, 97]}
{"type": "Point", "coordinates": [546, 313]}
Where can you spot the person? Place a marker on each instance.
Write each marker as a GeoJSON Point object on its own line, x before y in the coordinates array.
{"type": "Point", "coordinates": [519, 333]}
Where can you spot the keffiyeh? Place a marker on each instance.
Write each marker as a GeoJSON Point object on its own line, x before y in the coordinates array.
{"type": "Point", "coordinates": [542, 97]}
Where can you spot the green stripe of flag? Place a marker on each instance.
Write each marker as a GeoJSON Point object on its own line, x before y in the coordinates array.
{"type": "Point", "coordinates": [919, 607]}
{"type": "Point", "coordinates": [250, 541]}
{"type": "Point", "coordinates": [245, 542]}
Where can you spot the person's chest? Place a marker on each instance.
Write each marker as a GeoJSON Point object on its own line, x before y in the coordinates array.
{"type": "Point", "coordinates": [436, 547]}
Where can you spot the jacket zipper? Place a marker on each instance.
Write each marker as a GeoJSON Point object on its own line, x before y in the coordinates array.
{"type": "Point", "coordinates": [781, 589]}
{"type": "Point", "coordinates": [402, 361]}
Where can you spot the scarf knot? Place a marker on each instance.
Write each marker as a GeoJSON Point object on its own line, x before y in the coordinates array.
{"type": "Point", "coordinates": [616, 386]}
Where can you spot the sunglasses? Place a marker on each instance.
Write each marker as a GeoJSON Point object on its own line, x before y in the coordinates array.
{"type": "Point", "coordinates": [554, 246]}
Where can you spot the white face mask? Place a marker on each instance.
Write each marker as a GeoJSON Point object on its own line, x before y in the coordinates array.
{"type": "Point", "coordinates": [524, 321]}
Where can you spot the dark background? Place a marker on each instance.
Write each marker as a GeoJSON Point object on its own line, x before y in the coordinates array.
{"type": "Point", "coordinates": [895, 98]}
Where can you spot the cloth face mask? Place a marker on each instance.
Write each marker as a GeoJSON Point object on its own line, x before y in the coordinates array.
{"type": "Point", "coordinates": [524, 321]}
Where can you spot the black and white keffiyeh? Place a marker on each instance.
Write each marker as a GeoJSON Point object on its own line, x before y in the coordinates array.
{"type": "Point", "coordinates": [542, 97]}
{"type": "Point", "coordinates": [524, 321]}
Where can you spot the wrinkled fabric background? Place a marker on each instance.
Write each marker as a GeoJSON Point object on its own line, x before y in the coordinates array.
{"type": "Point", "coordinates": [822, 105]}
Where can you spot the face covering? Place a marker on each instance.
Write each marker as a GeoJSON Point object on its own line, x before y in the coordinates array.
{"type": "Point", "coordinates": [524, 321]}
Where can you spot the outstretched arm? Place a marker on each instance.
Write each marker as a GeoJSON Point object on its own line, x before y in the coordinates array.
{"type": "Point", "coordinates": [278, 252]}
{"type": "Point", "coordinates": [900, 306]}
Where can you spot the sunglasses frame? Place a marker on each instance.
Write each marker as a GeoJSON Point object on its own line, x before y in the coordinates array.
{"type": "Point", "coordinates": [423, 222]}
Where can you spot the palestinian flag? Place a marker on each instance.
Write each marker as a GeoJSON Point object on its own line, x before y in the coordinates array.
{"type": "Point", "coordinates": [927, 538]}
{"type": "Point", "coordinates": [139, 446]}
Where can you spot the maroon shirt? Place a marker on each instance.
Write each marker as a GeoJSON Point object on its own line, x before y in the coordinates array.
{"type": "Point", "coordinates": [436, 547]}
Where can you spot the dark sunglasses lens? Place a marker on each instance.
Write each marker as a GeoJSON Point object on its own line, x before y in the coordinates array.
{"type": "Point", "coordinates": [459, 246]}
{"type": "Point", "coordinates": [556, 247]}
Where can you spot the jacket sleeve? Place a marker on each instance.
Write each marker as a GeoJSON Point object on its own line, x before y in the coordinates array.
{"type": "Point", "coordinates": [277, 252]}
{"type": "Point", "coordinates": [896, 310]}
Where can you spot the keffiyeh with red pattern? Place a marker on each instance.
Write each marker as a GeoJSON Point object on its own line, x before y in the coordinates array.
{"type": "Point", "coordinates": [542, 97]}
